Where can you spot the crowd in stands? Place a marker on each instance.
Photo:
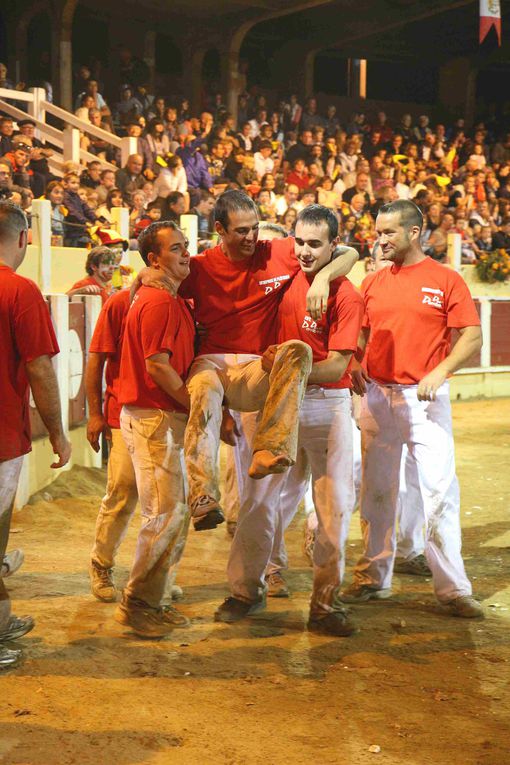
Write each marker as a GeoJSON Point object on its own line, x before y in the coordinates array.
{"type": "Point", "coordinates": [285, 155]}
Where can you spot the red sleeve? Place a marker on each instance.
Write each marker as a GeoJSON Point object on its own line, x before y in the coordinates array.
{"type": "Point", "coordinates": [365, 324]}
{"type": "Point", "coordinates": [159, 324]}
{"type": "Point", "coordinates": [283, 250]}
{"type": "Point", "coordinates": [460, 307]}
{"type": "Point", "coordinates": [107, 332]}
{"type": "Point", "coordinates": [33, 327]}
{"type": "Point", "coordinates": [346, 320]}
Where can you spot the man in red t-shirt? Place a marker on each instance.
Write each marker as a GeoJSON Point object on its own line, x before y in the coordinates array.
{"type": "Point", "coordinates": [27, 343]}
{"type": "Point", "coordinates": [410, 310]}
{"type": "Point", "coordinates": [119, 503]}
{"type": "Point", "coordinates": [157, 351]}
{"type": "Point", "coordinates": [324, 437]}
{"type": "Point", "coordinates": [100, 265]}
{"type": "Point", "coordinates": [236, 288]}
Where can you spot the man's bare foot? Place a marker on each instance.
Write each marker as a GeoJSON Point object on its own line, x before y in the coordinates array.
{"type": "Point", "coordinates": [265, 462]}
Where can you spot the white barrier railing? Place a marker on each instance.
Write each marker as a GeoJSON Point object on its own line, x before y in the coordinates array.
{"type": "Point", "coordinates": [66, 141]}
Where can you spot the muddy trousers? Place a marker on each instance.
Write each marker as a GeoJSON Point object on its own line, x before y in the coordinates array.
{"type": "Point", "coordinates": [325, 434]}
{"type": "Point", "coordinates": [392, 416]}
{"type": "Point", "coordinates": [9, 476]}
{"type": "Point", "coordinates": [239, 382]}
{"type": "Point", "coordinates": [154, 439]}
{"type": "Point", "coordinates": [118, 506]}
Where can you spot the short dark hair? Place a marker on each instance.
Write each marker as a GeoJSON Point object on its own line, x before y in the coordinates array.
{"type": "Point", "coordinates": [315, 214]}
{"type": "Point", "coordinates": [174, 197]}
{"type": "Point", "coordinates": [232, 201]}
{"type": "Point", "coordinates": [96, 255]}
{"type": "Point", "coordinates": [410, 214]}
{"type": "Point", "coordinates": [173, 161]}
{"type": "Point", "coordinates": [148, 240]}
{"type": "Point", "coordinates": [205, 194]}
{"type": "Point", "coordinates": [12, 220]}
{"type": "Point", "coordinates": [265, 145]}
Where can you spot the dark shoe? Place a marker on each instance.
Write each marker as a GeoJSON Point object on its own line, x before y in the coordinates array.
{"type": "Point", "coordinates": [206, 513]}
{"type": "Point", "coordinates": [101, 583]}
{"type": "Point", "coordinates": [335, 623]}
{"type": "Point", "coordinates": [417, 566]}
{"type": "Point", "coordinates": [17, 626]}
{"type": "Point", "coordinates": [233, 610]}
{"type": "Point", "coordinates": [276, 585]}
{"type": "Point", "coordinates": [144, 620]}
{"type": "Point", "coordinates": [9, 657]}
{"type": "Point", "coordinates": [12, 562]}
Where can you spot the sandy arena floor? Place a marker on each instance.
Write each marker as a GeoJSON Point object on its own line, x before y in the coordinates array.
{"type": "Point", "coordinates": [424, 687]}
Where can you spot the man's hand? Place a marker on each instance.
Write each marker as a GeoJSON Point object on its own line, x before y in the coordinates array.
{"type": "Point", "coordinates": [95, 426]}
{"type": "Point", "coordinates": [359, 381]}
{"type": "Point", "coordinates": [429, 385]}
{"type": "Point", "coordinates": [154, 277]}
{"type": "Point", "coordinates": [268, 358]}
{"type": "Point", "coordinates": [62, 448]}
{"type": "Point", "coordinates": [90, 289]}
{"type": "Point", "coordinates": [228, 431]}
{"type": "Point", "coordinates": [317, 297]}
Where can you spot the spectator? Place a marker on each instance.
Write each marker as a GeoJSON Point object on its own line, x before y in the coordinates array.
{"type": "Point", "coordinates": [100, 265]}
{"type": "Point", "coordinates": [91, 176]}
{"type": "Point", "coordinates": [331, 123]}
{"type": "Point", "coordinates": [203, 210]}
{"type": "Point", "coordinates": [484, 242]}
{"type": "Point", "coordinates": [501, 239]}
{"type": "Point", "coordinates": [107, 183]}
{"type": "Point", "coordinates": [196, 167]}
{"type": "Point", "coordinates": [299, 176]}
{"type": "Point", "coordinates": [114, 198]}
{"type": "Point", "coordinates": [263, 161]}
{"type": "Point", "coordinates": [176, 205]}
{"type": "Point", "coordinates": [6, 133]}
{"type": "Point", "coordinates": [55, 194]}
{"type": "Point", "coordinates": [19, 160]}
{"type": "Point", "coordinates": [310, 117]}
{"type": "Point", "coordinates": [5, 179]}
{"type": "Point", "coordinates": [157, 141]}
{"type": "Point", "coordinates": [360, 187]}
{"type": "Point", "coordinates": [137, 211]}
{"type": "Point", "coordinates": [92, 90]}
{"type": "Point", "coordinates": [134, 130]}
{"type": "Point", "coordinates": [302, 149]}
{"type": "Point", "coordinates": [151, 215]}
{"type": "Point", "coordinates": [127, 109]}
{"type": "Point", "coordinates": [130, 178]}
{"type": "Point", "coordinates": [244, 137]}
{"type": "Point", "coordinates": [79, 214]}
{"type": "Point", "coordinates": [437, 243]}
{"type": "Point", "coordinates": [171, 178]}
{"type": "Point", "coordinates": [288, 220]}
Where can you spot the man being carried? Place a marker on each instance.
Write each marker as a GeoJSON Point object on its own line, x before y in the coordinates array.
{"type": "Point", "coordinates": [324, 435]}
{"type": "Point", "coordinates": [237, 288]}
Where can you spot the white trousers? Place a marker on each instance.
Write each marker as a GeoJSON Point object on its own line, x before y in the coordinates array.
{"type": "Point", "coordinates": [325, 436]}
{"type": "Point", "coordinates": [392, 417]}
{"type": "Point", "coordinates": [154, 439]}
{"type": "Point", "coordinates": [9, 476]}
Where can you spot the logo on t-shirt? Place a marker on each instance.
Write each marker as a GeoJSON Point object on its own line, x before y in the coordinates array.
{"type": "Point", "coordinates": [311, 326]}
{"type": "Point", "coordinates": [274, 283]}
{"type": "Point", "coordinates": [433, 297]}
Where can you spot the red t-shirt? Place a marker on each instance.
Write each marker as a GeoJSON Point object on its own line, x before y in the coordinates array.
{"type": "Point", "coordinates": [89, 280]}
{"type": "Point", "coordinates": [411, 311]}
{"type": "Point", "coordinates": [156, 323]}
{"type": "Point", "coordinates": [26, 332]}
{"type": "Point", "coordinates": [237, 302]}
{"type": "Point", "coordinates": [107, 338]}
{"type": "Point", "coordinates": [337, 330]}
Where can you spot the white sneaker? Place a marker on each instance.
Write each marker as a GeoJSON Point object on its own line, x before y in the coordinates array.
{"type": "Point", "coordinates": [466, 607]}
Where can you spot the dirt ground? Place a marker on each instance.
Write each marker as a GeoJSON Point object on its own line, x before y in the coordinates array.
{"type": "Point", "coordinates": [422, 686]}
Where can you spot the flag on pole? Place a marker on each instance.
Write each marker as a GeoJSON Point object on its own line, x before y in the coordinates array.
{"type": "Point", "coordinates": [490, 16]}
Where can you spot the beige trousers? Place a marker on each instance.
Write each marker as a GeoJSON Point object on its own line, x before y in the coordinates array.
{"type": "Point", "coordinates": [9, 476]}
{"type": "Point", "coordinates": [154, 439]}
{"type": "Point", "coordinates": [239, 382]}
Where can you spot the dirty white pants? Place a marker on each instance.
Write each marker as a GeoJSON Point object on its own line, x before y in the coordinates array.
{"type": "Point", "coordinates": [239, 382]}
{"type": "Point", "coordinates": [325, 435]}
{"type": "Point", "coordinates": [118, 504]}
{"type": "Point", "coordinates": [410, 515]}
{"type": "Point", "coordinates": [154, 439]}
{"type": "Point", "coordinates": [9, 476]}
{"type": "Point", "coordinates": [391, 417]}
